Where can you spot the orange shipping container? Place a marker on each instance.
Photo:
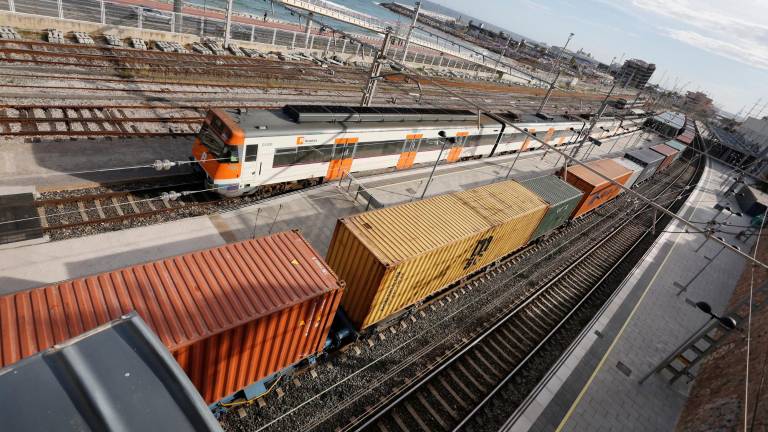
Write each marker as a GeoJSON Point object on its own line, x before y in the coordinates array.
{"type": "Point", "coordinates": [668, 152]}
{"type": "Point", "coordinates": [394, 257]}
{"type": "Point", "coordinates": [230, 315]}
{"type": "Point", "coordinates": [597, 191]}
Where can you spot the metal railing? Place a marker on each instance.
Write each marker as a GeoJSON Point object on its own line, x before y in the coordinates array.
{"type": "Point", "coordinates": [109, 13]}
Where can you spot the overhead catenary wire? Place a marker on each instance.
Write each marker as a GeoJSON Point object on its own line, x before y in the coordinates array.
{"type": "Point", "coordinates": [590, 169]}
{"type": "Point", "coordinates": [749, 326]}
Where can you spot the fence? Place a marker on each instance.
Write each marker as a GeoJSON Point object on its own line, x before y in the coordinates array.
{"type": "Point", "coordinates": [116, 14]}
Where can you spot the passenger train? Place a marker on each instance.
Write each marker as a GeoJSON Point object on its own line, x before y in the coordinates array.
{"type": "Point", "coordinates": [263, 151]}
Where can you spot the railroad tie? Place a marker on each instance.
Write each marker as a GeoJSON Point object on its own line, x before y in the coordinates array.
{"type": "Point", "coordinates": [133, 204]}
{"type": "Point", "coordinates": [63, 216]}
{"type": "Point", "coordinates": [432, 411]}
{"type": "Point", "coordinates": [43, 218]}
{"type": "Point", "coordinates": [416, 416]}
{"type": "Point", "coordinates": [442, 402]}
{"type": "Point", "coordinates": [99, 210]}
{"type": "Point", "coordinates": [117, 206]}
{"type": "Point", "coordinates": [83, 214]}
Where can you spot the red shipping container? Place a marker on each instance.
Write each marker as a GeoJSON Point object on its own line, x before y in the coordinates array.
{"type": "Point", "coordinates": [668, 152]}
{"type": "Point", "coordinates": [597, 191]}
{"type": "Point", "coordinates": [230, 315]}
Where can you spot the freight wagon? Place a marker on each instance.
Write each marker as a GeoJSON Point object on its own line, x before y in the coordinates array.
{"type": "Point", "coordinates": [597, 191]}
{"type": "Point", "coordinates": [394, 257]}
{"type": "Point", "coordinates": [668, 152]}
{"type": "Point", "coordinates": [677, 145]}
{"type": "Point", "coordinates": [648, 159]}
{"type": "Point", "coordinates": [632, 166]}
{"type": "Point", "coordinates": [230, 315]}
{"type": "Point", "coordinates": [561, 197]}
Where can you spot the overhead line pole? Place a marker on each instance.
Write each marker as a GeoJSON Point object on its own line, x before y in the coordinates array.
{"type": "Point", "coordinates": [557, 75]}
{"type": "Point", "coordinates": [410, 29]}
{"type": "Point", "coordinates": [228, 24]}
{"type": "Point", "coordinates": [695, 229]}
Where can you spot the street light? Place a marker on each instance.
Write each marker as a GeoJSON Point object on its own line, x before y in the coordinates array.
{"type": "Point", "coordinates": [444, 140]}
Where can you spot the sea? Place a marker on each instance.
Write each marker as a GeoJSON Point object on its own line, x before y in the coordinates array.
{"type": "Point", "coordinates": [368, 7]}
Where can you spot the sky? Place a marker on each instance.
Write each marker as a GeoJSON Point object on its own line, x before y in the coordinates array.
{"type": "Point", "coordinates": [719, 47]}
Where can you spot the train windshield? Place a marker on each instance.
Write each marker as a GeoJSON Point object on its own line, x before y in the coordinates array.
{"type": "Point", "coordinates": [216, 147]}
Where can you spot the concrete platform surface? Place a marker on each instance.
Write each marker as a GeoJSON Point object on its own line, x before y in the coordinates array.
{"type": "Point", "coordinates": [596, 387]}
{"type": "Point", "coordinates": [314, 212]}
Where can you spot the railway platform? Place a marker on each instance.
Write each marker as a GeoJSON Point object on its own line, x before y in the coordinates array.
{"type": "Point", "coordinates": [596, 385]}
{"type": "Point", "coordinates": [314, 211]}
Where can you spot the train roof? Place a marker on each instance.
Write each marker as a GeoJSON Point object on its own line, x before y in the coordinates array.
{"type": "Point", "coordinates": [265, 123]}
{"type": "Point", "coordinates": [320, 119]}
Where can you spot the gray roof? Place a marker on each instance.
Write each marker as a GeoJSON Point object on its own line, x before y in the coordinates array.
{"type": "Point", "coordinates": [646, 155]}
{"type": "Point", "coordinates": [265, 123]}
{"type": "Point", "coordinates": [118, 376]}
{"type": "Point", "coordinates": [551, 189]}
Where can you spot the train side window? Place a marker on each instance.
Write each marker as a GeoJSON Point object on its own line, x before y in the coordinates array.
{"type": "Point", "coordinates": [251, 152]}
{"type": "Point", "coordinates": [380, 148]}
{"type": "Point", "coordinates": [430, 144]}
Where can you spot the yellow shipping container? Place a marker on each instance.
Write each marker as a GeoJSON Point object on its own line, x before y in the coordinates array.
{"type": "Point", "coordinates": [394, 257]}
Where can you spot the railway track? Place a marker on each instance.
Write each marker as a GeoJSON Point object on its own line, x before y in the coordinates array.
{"type": "Point", "coordinates": [454, 394]}
{"type": "Point", "coordinates": [61, 213]}
{"type": "Point", "coordinates": [421, 345]}
{"type": "Point", "coordinates": [73, 120]}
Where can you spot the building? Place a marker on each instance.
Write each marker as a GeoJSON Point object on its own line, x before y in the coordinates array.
{"type": "Point", "coordinates": [698, 102]}
{"type": "Point", "coordinates": [756, 131]}
{"type": "Point", "coordinates": [635, 73]}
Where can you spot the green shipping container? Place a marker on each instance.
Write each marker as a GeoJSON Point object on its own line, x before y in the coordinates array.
{"type": "Point", "coordinates": [561, 197]}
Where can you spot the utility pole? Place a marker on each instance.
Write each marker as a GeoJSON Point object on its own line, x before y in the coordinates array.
{"type": "Point", "coordinates": [228, 24]}
{"type": "Point", "coordinates": [416, 10]}
{"type": "Point", "coordinates": [308, 31]}
{"type": "Point", "coordinates": [753, 108]}
{"type": "Point", "coordinates": [503, 52]}
{"type": "Point", "coordinates": [593, 121]}
{"type": "Point", "coordinates": [370, 88]}
{"type": "Point", "coordinates": [557, 75]}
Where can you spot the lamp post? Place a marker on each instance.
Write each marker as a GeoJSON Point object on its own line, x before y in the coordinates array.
{"type": "Point", "coordinates": [444, 140]}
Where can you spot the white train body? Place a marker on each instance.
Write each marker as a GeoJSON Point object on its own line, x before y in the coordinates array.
{"type": "Point", "coordinates": [267, 149]}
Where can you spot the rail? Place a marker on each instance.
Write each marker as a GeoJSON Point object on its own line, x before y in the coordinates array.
{"type": "Point", "coordinates": [550, 307]}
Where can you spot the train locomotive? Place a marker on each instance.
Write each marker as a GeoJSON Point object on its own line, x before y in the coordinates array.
{"type": "Point", "coordinates": [265, 151]}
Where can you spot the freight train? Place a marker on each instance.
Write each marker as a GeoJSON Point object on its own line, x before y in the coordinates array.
{"type": "Point", "coordinates": [239, 315]}
{"type": "Point", "coordinates": [261, 151]}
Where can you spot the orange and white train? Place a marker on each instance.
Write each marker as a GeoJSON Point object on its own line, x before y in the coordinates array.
{"type": "Point", "coordinates": [259, 151]}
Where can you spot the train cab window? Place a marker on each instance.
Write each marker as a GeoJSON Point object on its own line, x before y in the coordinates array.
{"type": "Point", "coordinates": [251, 152]}
{"type": "Point", "coordinates": [216, 147]}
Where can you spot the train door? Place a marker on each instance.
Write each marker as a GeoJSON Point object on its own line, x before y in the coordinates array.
{"type": "Point", "coordinates": [455, 152]}
{"type": "Point", "coordinates": [408, 154]}
{"type": "Point", "coordinates": [550, 134]}
{"type": "Point", "coordinates": [341, 162]}
{"type": "Point", "coordinates": [527, 141]}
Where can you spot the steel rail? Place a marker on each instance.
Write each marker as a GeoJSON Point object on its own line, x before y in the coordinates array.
{"type": "Point", "coordinates": [562, 322]}
{"type": "Point", "coordinates": [417, 385]}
